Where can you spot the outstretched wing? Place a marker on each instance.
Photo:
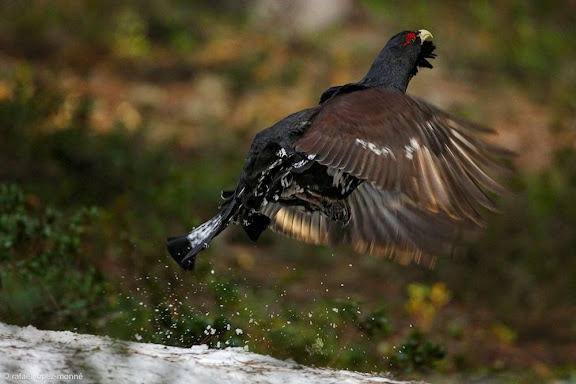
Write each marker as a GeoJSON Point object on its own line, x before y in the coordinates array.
{"type": "Point", "coordinates": [401, 144]}
{"type": "Point", "coordinates": [382, 223]}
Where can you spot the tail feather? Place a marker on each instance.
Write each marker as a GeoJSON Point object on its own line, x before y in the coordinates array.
{"type": "Point", "coordinates": [184, 248]}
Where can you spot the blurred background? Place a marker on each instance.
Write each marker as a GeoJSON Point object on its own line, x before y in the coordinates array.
{"type": "Point", "coordinates": [121, 122]}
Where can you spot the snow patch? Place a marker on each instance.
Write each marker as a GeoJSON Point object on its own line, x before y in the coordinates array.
{"type": "Point", "coordinates": [32, 353]}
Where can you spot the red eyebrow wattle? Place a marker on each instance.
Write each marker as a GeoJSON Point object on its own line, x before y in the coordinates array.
{"type": "Point", "coordinates": [410, 37]}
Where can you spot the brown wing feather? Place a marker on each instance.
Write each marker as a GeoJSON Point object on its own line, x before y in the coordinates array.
{"type": "Point", "coordinates": [382, 223]}
{"type": "Point", "coordinates": [399, 143]}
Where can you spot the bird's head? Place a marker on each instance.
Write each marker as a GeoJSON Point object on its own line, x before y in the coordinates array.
{"type": "Point", "coordinates": [413, 48]}
{"type": "Point", "coordinates": [400, 59]}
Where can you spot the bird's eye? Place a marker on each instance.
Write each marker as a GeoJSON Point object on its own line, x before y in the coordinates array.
{"type": "Point", "coordinates": [410, 38]}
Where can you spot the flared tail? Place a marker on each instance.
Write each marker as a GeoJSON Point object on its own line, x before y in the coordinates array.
{"type": "Point", "coordinates": [184, 248]}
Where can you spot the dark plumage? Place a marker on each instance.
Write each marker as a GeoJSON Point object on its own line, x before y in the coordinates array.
{"type": "Point", "coordinates": [368, 167]}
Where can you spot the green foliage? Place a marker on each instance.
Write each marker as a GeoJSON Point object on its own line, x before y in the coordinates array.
{"type": "Point", "coordinates": [416, 354]}
{"type": "Point", "coordinates": [373, 324]}
{"type": "Point", "coordinates": [55, 28]}
{"type": "Point", "coordinates": [43, 276]}
{"type": "Point", "coordinates": [30, 104]}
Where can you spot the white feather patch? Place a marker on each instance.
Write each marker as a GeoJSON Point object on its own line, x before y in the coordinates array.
{"type": "Point", "coordinates": [410, 149]}
{"type": "Point", "coordinates": [282, 153]}
{"type": "Point", "coordinates": [199, 235]}
{"type": "Point", "coordinates": [380, 151]}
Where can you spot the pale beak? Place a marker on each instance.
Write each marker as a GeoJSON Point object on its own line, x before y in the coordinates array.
{"type": "Point", "coordinates": [424, 35]}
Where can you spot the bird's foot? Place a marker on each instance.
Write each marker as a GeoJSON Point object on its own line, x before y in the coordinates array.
{"type": "Point", "coordinates": [337, 210]}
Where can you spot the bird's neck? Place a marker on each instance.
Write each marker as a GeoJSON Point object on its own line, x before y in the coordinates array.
{"type": "Point", "coordinates": [388, 71]}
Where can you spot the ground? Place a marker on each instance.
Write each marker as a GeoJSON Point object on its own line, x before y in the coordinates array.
{"type": "Point", "coordinates": [32, 355]}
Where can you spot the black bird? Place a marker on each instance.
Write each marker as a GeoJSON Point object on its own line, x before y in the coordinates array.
{"type": "Point", "coordinates": [368, 167]}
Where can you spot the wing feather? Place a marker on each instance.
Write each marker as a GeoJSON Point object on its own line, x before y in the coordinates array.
{"type": "Point", "coordinates": [382, 223]}
{"type": "Point", "coordinates": [403, 144]}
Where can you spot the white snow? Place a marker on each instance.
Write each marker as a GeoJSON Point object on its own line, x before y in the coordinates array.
{"type": "Point", "coordinates": [31, 355]}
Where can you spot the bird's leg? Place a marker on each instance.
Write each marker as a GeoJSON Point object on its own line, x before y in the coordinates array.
{"type": "Point", "coordinates": [336, 210]}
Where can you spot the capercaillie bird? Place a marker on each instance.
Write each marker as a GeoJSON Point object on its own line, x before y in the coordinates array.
{"type": "Point", "coordinates": [369, 167]}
